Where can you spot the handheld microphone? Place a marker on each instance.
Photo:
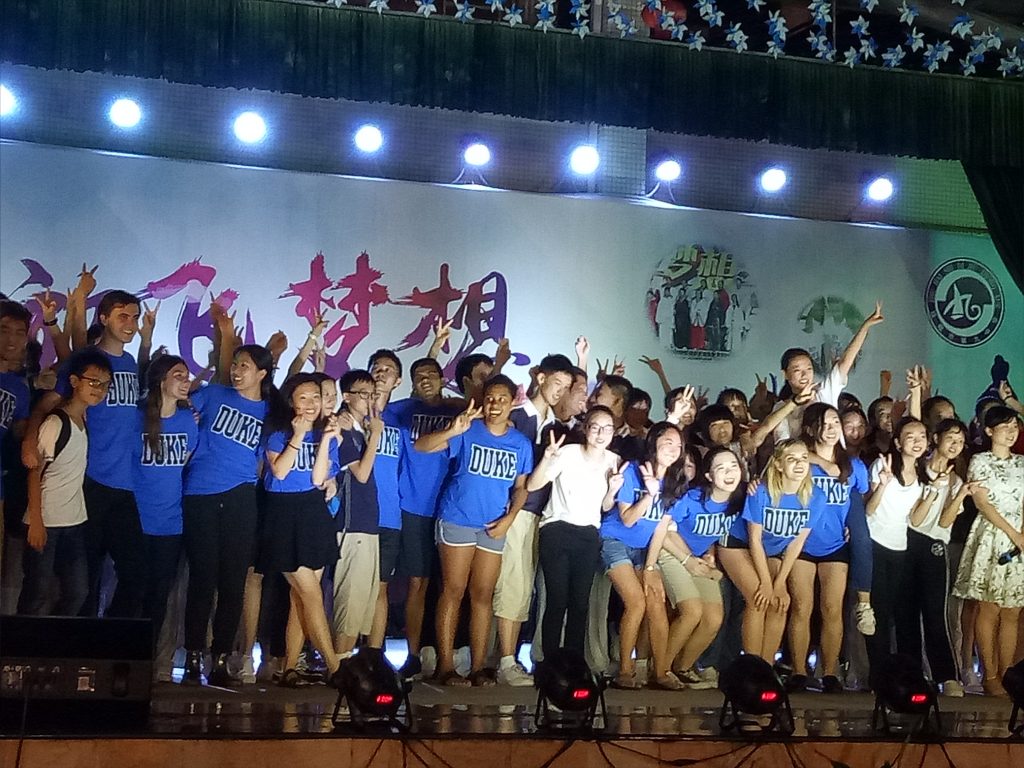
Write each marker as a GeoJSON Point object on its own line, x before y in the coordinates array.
{"type": "Point", "coordinates": [1006, 557]}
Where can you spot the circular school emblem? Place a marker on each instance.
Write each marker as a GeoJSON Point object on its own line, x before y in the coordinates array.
{"type": "Point", "coordinates": [964, 302]}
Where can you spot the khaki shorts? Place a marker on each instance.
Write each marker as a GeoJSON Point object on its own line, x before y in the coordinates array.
{"type": "Point", "coordinates": [356, 583]}
{"type": "Point", "coordinates": [681, 585]}
{"type": "Point", "coordinates": [514, 590]}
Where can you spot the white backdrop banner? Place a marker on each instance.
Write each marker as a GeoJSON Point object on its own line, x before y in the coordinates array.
{"type": "Point", "coordinates": [717, 296]}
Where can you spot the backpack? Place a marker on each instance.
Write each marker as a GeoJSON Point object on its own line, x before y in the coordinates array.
{"type": "Point", "coordinates": [62, 438]}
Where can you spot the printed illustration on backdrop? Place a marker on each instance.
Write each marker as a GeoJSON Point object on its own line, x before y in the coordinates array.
{"type": "Point", "coordinates": [700, 303]}
{"type": "Point", "coordinates": [964, 302]}
{"type": "Point", "coordinates": [479, 311]}
{"type": "Point", "coordinates": [831, 322]}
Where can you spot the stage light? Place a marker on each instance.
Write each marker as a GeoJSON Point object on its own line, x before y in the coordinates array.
{"type": "Point", "coordinates": [8, 101]}
{"type": "Point", "coordinates": [880, 189]}
{"type": "Point", "coordinates": [477, 155]}
{"type": "Point", "coordinates": [250, 128]}
{"type": "Point", "coordinates": [568, 693]}
{"type": "Point", "coordinates": [368, 139]}
{"type": "Point", "coordinates": [900, 687]}
{"type": "Point", "coordinates": [751, 687]}
{"type": "Point", "coordinates": [668, 171]}
{"type": "Point", "coordinates": [1013, 683]}
{"type": "Point", "coordinates": [773, 179]}
{"type": "Point", "coordinates": [373, 689]}
{"type": "Point", "coordinates": [125, 113]}
{"type": "Point", "coordinates": [584, 160]}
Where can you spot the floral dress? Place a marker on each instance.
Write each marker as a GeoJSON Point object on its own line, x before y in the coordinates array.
{"type": "Point", "coordinates": [980, 576]}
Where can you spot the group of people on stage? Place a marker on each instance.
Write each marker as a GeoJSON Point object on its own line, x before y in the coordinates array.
{"type": "Point", "coordinates": [558, 510]}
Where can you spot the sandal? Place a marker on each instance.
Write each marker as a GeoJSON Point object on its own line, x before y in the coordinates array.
{"type": "Point", "coordinates": [453, 679]}
{"type": "Point", "coordinates": [993, 686]}
{"type": "Point", "coordinates": [482, 678]}
{"type": "Point", "coordinates": [627, 682]}
{"type": "Point", "coordinates": [668, 682]}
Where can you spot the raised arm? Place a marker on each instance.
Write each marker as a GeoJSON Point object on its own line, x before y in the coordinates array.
{"type": "Point", "coordinates": [438, 441]}
{"type": "Point", "coordinates": [442, 332]}
{"type": "Point", "coordinates": [659, 370]}
{"type": "Point", "coordinates": [542, 474]}
{"type": "Point", "coordinates": [631, 513]}
{"type": "Point", "coordinates": [361, 469]}
{"type": "Point", "coordinates": [311, 343]}
{"type": "Point", "coordinates": [48, 306]}
{"type": "Point", "coordinates": [849, 355]}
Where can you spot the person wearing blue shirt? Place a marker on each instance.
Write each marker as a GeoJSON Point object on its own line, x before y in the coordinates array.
{"type": "Point", "coordinates": [491, 461]}
{"type": "Point", "coordinates": [113, 526]}
{"type": "Point", "coordinates": [626, 532]}
{"type": "Point", "coordinates": [765, 541]}
{"type": "Point", "coordinates": [420, 477]}
{"type": "Point", "coordinates": [15, 395]}
{"type": "Point", "coordinates": [219, 522]}
{"type": "Point", "coordinates": [298, 534]}
{"type": "Point", "coordinates": [826, 554]}
{"type": "Point", "coordinates": [166, 434]}
{"type": "Point", "coordinates": [686, 558]}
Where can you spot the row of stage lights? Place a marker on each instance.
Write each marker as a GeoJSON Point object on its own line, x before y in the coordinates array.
{"type": "Point", "coordinates": [251, 129]}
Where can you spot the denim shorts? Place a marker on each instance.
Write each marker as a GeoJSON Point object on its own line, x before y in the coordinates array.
{"type": "Point", "coordinates": [463, 536]}
{"type": "Point", "coordinates": [615, 552]}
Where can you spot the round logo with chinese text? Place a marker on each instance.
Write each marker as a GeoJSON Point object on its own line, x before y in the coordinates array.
{"type": "Point", "coordinates": [964, 302]}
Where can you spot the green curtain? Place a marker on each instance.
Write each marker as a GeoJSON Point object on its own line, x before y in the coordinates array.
{"type": "Point", "coordinates": [353, 54]}
{"type": "Point", "coordinates": [1000, 193]}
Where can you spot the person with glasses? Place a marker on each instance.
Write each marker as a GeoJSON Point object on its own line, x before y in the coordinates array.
{"type": "Point", "coordinates": [56, 515]}
{"type": "Point", "coordinates": [569, 540]}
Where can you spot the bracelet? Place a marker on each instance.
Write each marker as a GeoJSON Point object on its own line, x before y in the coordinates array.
{"type": "Point", "coordinates": [650, 567]}
{"type": "Point", "coordinates": [294, 447]}
{"type": "Point", "coordinates": [687, 558]}
{"type": "Point", "coordinates": [50, 323]}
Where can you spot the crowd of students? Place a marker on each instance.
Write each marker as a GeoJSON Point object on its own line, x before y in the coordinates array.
{"type": "Point", "coordinates": [557, 512]}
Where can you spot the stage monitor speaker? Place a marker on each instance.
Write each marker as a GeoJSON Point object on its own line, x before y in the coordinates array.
{"type": "Point", "coordinates": [78, 675]}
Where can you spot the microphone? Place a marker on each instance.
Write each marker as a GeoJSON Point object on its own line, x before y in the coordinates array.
{"type": "Point", "coordinates": [1008, 555]}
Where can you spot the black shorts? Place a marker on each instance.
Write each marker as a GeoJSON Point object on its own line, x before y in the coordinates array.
{"type": "Point", "coordinates": [298, 531]}
{"type": "Point", "coordinates": [390, 542]}
{"type": "Point", "coordinates": [731, 542]}
{"type": "Point", "coordinates": [418, 548]}
{"type": "Point", "coordinates": [841, 555]}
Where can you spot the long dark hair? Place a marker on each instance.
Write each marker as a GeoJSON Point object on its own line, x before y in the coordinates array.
{"type": "Point", "coordinates": [155, 375]}
{"type": "Point", "coordinates": [738, 497]}
{"type": "Point", "coordinates": [896, 452]}
{"type": "Point", "coordinates": [674, 484]}
{"type": "Point", "coordinates": [281, 418]}
{"type": "Point", "coordinates": [811, 426]}
{"type": "Point", "coordinates": [264, 361]}
{"type": "Point", "coordinates": [954, 425]}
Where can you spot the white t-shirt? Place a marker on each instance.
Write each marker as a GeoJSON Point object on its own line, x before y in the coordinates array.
{"type": "Point", "coordinates": [828, 393]}
{"type": "Point", "coordinates": [888, 525]}
{"type": "Point", "coordinates": [578, 486]}
{"type": "Point", "coordinates": [63, 501]}
{"type": "Point", "coordinates": [930, 527]}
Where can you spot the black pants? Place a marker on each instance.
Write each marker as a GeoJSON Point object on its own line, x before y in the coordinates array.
{"type": "Point", "coordinates": [923, 600]}
{"type": "Point", "coordinates": [63, 556]}
{"type": "Point", "coordinates": [220, 536]}
{"type": "Point", "coordinates": [886, 580]}
{"type": "Point", "coordinates": [568, 554]}
{"type": "Point", "coordinates": [113, 529]}
{"type": "Point", "coordinates": [163, 554]}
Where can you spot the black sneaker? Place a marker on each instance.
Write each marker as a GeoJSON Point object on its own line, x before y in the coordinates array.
{"type": "Point", "coordinates": [831, 684]}
{"type": "Point", "coordinates": [193, 668]}
{"type": "Point", "coordinates": [412, 667]}
{"type": "Point", "coordinates": [220, 676]}
{"type": "Point", "coordinates": [796, 683]}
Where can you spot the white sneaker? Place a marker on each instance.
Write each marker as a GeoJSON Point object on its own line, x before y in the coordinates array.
{"type": "Point", "coordinates": [428, 659]}
{"type": "Point", "coordinates": [695, 680]}
{"type": "Point", "coordinates": [709, 675]}
{"type": "Point", "coordinates": [970, 678]}
{"type": "Point", "coordinates": [269, 667]}
{"type": "Point", "coordinates": [463, 661]}
{"type": "Point", "coordinates": [865, 619]}
{"type": "Point", "coordinates": [953, 688]}
{"type": "Point", "coordinates": [248, 671]}
{"type": "Point", "coordinates": [514, 675]}
{"type": "Point", "coordinates": [643, 671]}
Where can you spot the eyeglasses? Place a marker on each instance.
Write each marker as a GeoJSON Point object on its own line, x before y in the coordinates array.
{"type": "Point", "coordinates": [99, 384]}
{"type": "Point", "coordinates": [366, 394]}
{"type": "Point", "coordinates": [597, 429]}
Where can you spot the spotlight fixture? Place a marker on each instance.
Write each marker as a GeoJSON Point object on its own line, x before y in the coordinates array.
{"type": "Point", "coordinates": [584, 160]}
{"type": "Point", "coordinates": [880, 189]}
{"type": "Point", "coordinates": [125, 113]}
{"type": "Point", "coordinates": [368, 139]}
{"type": "Point", "coordinates": [477, 155]}
{"type": "Point", "coordinates": [8, 101]}
{"type": "Point", "coordinates": [751, 687]}
{"type": "Point", "coordinates": [250, 128]}
{"type": "Point", "coordinates": [668, 171]}
{"type": "Point", "coordinates": [901, 688]}
{"type": "Point", "coordinates": [568, 693]}
{"type": "Point", "coordinates": [373, 690]}
{"type": "Point", "coordinates": [1013, 682]}
{"type": "Point", "coordinates": [773, 179]}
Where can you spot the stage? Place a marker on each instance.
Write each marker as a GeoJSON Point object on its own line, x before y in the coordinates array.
{"type": "Point", "coordinates": [259, 726]}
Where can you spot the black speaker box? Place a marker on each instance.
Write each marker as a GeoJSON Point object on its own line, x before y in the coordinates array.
{"type": "Point", "coordinates": [74, 675]}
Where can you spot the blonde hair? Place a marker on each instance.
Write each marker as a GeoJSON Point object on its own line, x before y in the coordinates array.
{"type": "Point", "coordinates": [774, 476]}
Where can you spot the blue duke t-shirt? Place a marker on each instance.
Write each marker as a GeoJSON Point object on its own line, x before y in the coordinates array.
{"type": "Point", "coordinates": [385, 470]}
{"type": "Point", "coordinates": [15, 404]}
{"type": "Point", "coordinates": [782, 522]}
{"type": "Point", "coordinates": [639, 535]}
{"type": "Point", "coordinates": [701, 521]}
{"type": "Point", "coordinates": [421, 475]}
{"type": "Point", "coordinates": [111, 423]}
{"type": "Point", "coordinates": [486, 468]}
{"type": "Point", "coordinates": [829, 532]}
{"type": "Point", "coordinates": [157, 476]}
{"type": "Point", "coordinates": [230, 431]}
{"type": "Point", "coordinates": [300, 478]}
